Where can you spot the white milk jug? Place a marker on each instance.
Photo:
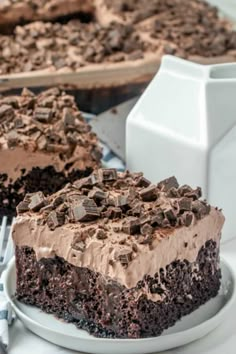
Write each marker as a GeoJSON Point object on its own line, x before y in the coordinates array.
{"type": "Point", "coordinates": [185, 125]}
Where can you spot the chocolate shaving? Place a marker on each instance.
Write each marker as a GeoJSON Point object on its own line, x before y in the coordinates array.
{"type": "Point", "coordinates": [168, 183]}
{"type": "Point", "coordinates": [149, 194]}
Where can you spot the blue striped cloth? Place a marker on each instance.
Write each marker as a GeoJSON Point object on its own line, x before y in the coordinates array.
{"type": "Point", "coordinates": [6, 317]}
{"type": "Point", "coordinates": [109, 160]}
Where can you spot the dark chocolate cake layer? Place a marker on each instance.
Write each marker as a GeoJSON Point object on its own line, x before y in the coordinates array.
{"type": "Point", "coordinates": [106, 308]}
{"type": "Point", "coordinates": [44, 144]}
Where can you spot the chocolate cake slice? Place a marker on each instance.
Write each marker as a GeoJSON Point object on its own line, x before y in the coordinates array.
{"type": "Point", "coordinates": [116, 255]}
{"type": "Point", "coordinates": [44, 144]}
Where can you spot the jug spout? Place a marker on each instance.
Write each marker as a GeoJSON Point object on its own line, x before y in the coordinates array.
{"type": "Point", "coordinates": [185, 125]}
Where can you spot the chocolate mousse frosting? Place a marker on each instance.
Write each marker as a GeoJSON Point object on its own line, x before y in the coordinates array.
{"type": "Point", "coordinates": [119, 225]}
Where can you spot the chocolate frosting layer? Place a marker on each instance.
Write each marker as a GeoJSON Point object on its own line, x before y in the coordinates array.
{"type": "Point", "coordinates": [118, 224]}
{"type": "Point", "coordinates": [44, 130]}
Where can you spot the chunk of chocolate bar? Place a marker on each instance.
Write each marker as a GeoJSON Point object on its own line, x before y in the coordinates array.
{"type": "Point", "coordinates": [131, 225]}
{"type": "Point", "coordinates": [168, 183]}
{"type": "Point", "coordinates": [125, 257]}
{"type": "Point", "coordinates": [37, 201]}
{"type": "Point", "coordinates": [43, 114]}
{"type": "Point", "coordinates": [107, 174]}
{"type": "Point", "coordinates": [55, 219]}
{"type": "Point", "coordinates": [85, 210]}
{"type": "Point", "coordinates": [149, 194]}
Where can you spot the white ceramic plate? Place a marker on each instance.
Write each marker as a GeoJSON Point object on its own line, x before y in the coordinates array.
{"type": "Point", "coordinates": [190, 328]}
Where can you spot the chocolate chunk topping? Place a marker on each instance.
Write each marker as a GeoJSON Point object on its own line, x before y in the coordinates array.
{"type": "Point", "coordinates": [149, 194]}
{"type": "Point", "coordinates": [23, 206]}
{"type": "Point", "coordinates": [200, 209]}
{"type": "Point", "coordinates": [157, 217]}
{"type": "Point", "coordinates": [98, 194]}
{"type": "Point", "coordinates": [187, 218]}
{"type": "Point", "coordinates": [172, 193]}
{"type": "Point", "coordinates": [185, 189]}
{"type": "Point", "coordinates": [131, 225]}
{"type": "Point", "coordinates": [108, 174]}
{"type": "Point", "coordinates": [43, 115]}
{"type": "Point", "coordinates": [37, 201]}
{"type": "Point", "coordinates": [68, 119]}
{"type": "Point", "coordinates": [184, 204]}
{"type": "Point", "coordinates": [26, 92]}
{"type": "Point", "coordinates": [146, 229]}
{"type": "Point", "coordinates": [6, 111]}
{"type": "Point", "coordinates": [118, 200]}
{"type": "Point", "coordinates": [125, 257]}
{"type": "Point", "coordinates": [12, 138]}
{"type": "Point", "coordinates": [86, 210]}
{"type": "Point", "coordinates": [170, 215]}
{"type": "Point", "coordinates": [120, 207]}
{"type": "Point", "coordinates": [168, 183]}
{"type": "Point", "coordinates": [35, 122]}
{"type": "Point", "coordinates": [143, 182]}
{"type": "Point", "coordinates": [101, 234]}
{"type": "Point", "coordinates": [55, 219]}
{"type": "Point", "coordinates": [113, 213]}
{"type": "Point", "coordinates": [194, 194]}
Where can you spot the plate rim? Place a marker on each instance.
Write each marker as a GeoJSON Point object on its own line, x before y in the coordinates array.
{"type": "Point", "coordinates": [189, 331]}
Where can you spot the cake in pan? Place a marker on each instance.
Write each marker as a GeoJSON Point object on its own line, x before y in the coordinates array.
{"type": "Point", "coordinates": [116, 255]}
{"type": "Point", "coordinates": [44, 144]}
{"type": "Point", "coordinates": [121, 37]}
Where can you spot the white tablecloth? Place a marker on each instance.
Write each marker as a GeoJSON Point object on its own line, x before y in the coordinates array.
{"type": "Point", "coordinates": [222, 340]}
